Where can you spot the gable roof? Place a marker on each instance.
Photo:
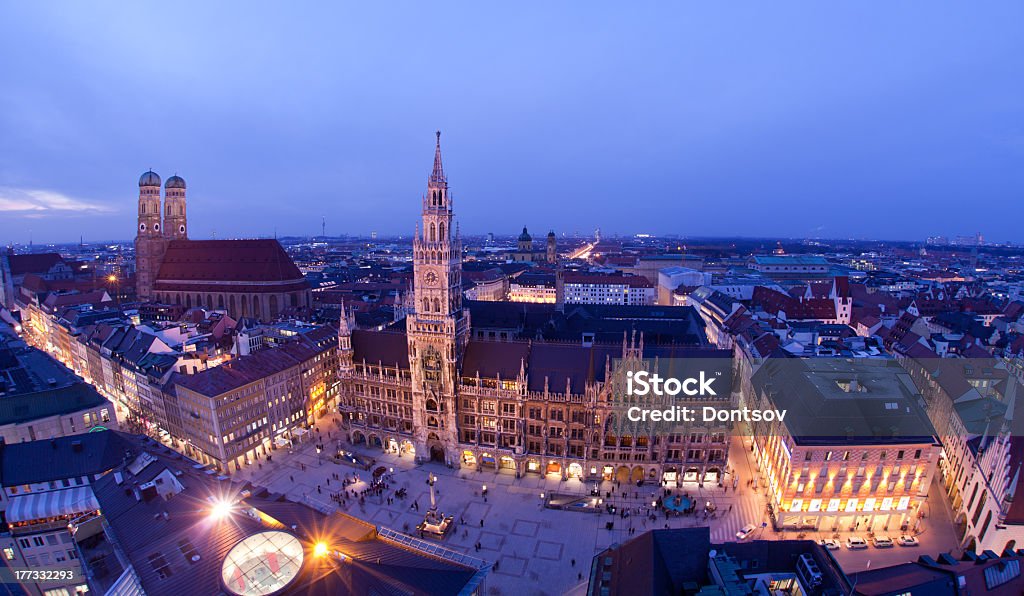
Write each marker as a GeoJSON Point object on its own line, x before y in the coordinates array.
{"type": "Point", "coordinates": [37, 263]}
{"type": "Point", "coordinates": [259, 260]}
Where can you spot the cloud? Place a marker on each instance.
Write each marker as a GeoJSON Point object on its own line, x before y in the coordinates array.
{"type": "Point", "coordinates": [40, 203]}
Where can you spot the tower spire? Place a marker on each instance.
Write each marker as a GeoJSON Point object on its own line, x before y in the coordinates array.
{"type": "Point", "coordinates": [437, 176]}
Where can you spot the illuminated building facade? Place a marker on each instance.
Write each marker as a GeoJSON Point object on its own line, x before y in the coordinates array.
{"type": "Point", "coordinates": [856, 451]}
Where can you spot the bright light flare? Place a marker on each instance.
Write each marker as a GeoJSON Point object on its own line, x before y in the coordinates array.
{"type": "Point", "coordinates": [320, 549]}
{"type": "Point", "coordinates": [221, 509]}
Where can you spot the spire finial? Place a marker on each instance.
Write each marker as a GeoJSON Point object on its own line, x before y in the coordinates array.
{"type": "Point", "coordinates": [437, 176]}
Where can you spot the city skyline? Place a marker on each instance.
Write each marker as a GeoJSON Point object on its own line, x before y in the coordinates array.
{"type": "Point", "coordinates": [554, 122]}
{"type": "Point", "coordinates": [455, 299]}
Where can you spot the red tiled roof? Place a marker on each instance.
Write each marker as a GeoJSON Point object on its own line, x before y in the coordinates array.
{"type": "Point", "coordinates": [388, 348]}
{"type": "Point", "coordinates": [491, 358]}
{"type": "Point", "coordinates": [227, 260]}
{"type": "Point", "coordinates": [843, 287]}
{"type": "Point", "coordinates": [38, 263]}
{"type": "Point", "coordinates": [58, 300]}
{"type": "Point", "coordinates": [774, 302]}
{"type": "Point", "coordinates": [34, 284]}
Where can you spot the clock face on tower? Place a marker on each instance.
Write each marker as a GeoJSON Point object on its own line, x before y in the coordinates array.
{"type": "Point", "coordinates": [430, 278]}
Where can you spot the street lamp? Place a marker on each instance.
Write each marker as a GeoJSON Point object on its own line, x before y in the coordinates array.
{"type": "Point", "coordinates": [221, 509]}
{"type": "Point", "coordinates": [320, 549]}
{"type": "Point", "coordinates": [113, 279]}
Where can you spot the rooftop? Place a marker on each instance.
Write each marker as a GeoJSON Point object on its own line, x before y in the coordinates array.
{"type": "Point", "coordinates": [860, 400]}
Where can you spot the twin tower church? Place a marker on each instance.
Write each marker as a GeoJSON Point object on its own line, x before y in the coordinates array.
{"type": "Point", "coordinates": [247, 278]}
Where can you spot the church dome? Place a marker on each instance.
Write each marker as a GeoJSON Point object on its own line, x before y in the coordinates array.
{"type": "Point", "coordinates": [175, 181]}
{"type": "Point", "coordinates": [525, 236]}
{"type": "Point", "coordinates": [150, 178]}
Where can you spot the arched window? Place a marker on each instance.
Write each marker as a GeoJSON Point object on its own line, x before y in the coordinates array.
{"type": "Point", "coordinates": [426, 305]}
{"type": "Point", "coordinates": [273, 305]}
{"type": "Point", "coordinates": [257, 308]}
{"type": "Point", "coordinates": [220, 301]}
{"type": "Point", "coordinates": [188, 300]}
{"type": "Point", "coordinates": [433, 231]}
{"type": "Point", "coordinates": [440, 231]}
{"type": "Point", "coordinates": [437, 305]}
{"type": "Point", "coordinates": [231, 305]}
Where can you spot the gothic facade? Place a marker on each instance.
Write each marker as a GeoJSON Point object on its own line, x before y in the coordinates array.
{"type": "Point", "coordinates": [437, 391]}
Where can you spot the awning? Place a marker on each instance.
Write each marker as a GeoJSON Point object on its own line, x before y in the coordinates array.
{"type": "Point", "coordinates": [55, 503]}
{"type": "Point", "coordinates": [298, 432]}
{"type": "Point", "coordinates": [281, 442]}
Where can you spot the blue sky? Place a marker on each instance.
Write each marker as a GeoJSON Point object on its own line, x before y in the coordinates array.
{"type": "Point", "coordinates": [883, 120]}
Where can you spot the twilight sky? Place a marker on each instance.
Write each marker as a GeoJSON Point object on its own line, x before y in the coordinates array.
{"type": "Point", "coordinates": [885, 120]}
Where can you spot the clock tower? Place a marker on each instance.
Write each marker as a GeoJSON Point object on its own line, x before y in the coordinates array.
{"type": "Point", "coordinates": [438, 329]}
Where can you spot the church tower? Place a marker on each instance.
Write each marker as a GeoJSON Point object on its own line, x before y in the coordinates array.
{"type": "Point", "coordinates": [149, 243]}
{"type": "Point", "coordinates": [438, 329]}
{"type": "Point", "coordinates": [552, 254]}
{"type": "Point", "coordinates": [175, 220]}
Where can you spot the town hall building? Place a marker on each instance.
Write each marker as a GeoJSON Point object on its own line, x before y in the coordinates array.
{"type": "Point", "coordinates": [527, 388]}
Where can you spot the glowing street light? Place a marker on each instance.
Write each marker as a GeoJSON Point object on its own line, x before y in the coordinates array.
{"type": "Point", "coordinates": [221, 509]}
{"type": "Point", "coordinates": [320, 549]}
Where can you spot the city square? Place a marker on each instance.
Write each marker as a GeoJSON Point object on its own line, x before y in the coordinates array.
{"type": "Point", "coordinates": [542, 550]}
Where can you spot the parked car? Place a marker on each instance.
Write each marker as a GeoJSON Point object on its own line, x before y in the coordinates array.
{"type": "Point", "coordinates": [745, 532]}
{"type": "Point", "coordinates": [829, 543]}
{"type": "Point", "coordinates": [856, 543]}
{"type": "Point", "coordinates": [882, 542]}
{"type": "Point", "coordinates": [907, 540]}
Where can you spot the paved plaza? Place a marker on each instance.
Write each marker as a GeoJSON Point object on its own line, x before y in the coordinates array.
{"type": "Point", "coordinates": [537, 550]}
